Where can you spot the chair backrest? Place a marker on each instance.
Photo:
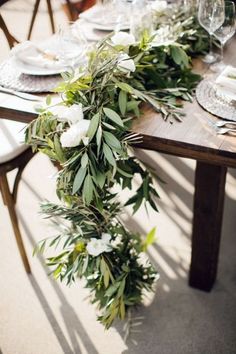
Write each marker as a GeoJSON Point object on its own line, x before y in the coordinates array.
{"type": "Point", "coordinates": [10, 39]}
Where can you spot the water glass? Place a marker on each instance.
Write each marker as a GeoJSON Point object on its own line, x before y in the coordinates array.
{"type": "Point", "coordinates": [226, 30]}
{"type": "Point", "coordinates": [141, 21]}
{"type": "Point", "coordinates": [211, 15]}
{"type": "Point", "coordinates": [72, 45]}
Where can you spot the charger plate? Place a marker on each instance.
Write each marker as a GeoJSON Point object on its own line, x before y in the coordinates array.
{"type": "Point", "coordinates": [12, 77]}
{"type": "Point", "coordinates": [214, 102]}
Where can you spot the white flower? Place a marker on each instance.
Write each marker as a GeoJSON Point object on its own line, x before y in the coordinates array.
{"type": "Point", "coordinates": [117, 242]}
{"type": "Point", "coordinates": [97, 246]}
{"type": "Point", "coordinates": [72, 114]}
{"type": "Point", "coordinates": [159, 5]}
{"type": "Point", "coordinates": [125, 63]}
{"type": "Point", "coordinates": [123, 38]}
{"type": "Point", "coordinates": [75, 134]}
{"type": "Point", "coordinates": [143, 260]}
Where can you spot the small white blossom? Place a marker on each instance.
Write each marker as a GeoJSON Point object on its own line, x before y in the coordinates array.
{"type": "Point", "coordinates": [163, 37]}
{"type": "Point", "coordinates": [143, 260]}
{"type": "Point", "coordinates": [117, 242]}
{"type": "Point", "coordinates": [72, 114]}
{"type": "Point", "coordinates": [95, 275]}
{"type": "Point", "coordinates": [97, 246]}
{"type": "Point", "coordinates": [123, 38]}
{"type": "Point", "coordinates": [75, 134]}
{"type": "Point", "coordinates": [125, 63]}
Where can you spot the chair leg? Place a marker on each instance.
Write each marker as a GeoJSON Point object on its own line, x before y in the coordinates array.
{"type": "Point", "coordinates": [36, 7]}
{"type": "Point", "coordinates": [9, 202]}
{"type": "Point", "coordinates": [50, 12]}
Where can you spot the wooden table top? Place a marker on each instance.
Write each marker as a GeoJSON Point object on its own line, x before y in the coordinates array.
{"type": "Point", "coordinates": [193, 138]}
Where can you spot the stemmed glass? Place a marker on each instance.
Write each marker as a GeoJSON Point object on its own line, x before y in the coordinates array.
{"type": "Point", "coordinates": [211, 15]}
{"type": "Point", "coordinates": [72, 45]}
{"type": "Point", "coordinates": [225, 31]}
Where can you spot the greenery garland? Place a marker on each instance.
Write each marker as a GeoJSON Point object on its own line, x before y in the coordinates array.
{"type": "Point", "coordinates": [88, 134]}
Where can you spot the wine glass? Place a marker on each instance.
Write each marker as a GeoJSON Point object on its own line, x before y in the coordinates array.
{"type": "Point", "coordinates": [225, 32]}
{"type": "Point", "coordinates": [72, 45]}
{"type": "Point", "coordinates": [211, 15]}
{"type": "Point", "coordinates": [141, 20]}
{"type": "Point", "coordinates": [122, 9]}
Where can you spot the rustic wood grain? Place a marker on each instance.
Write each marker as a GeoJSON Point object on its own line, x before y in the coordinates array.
{"type": "Point", "coordinates": [207, 223]}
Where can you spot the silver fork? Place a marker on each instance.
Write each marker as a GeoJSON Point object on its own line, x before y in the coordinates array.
{"type": "Point", "coordinates": [225, 131]}
{"type": "Point", "coordinates": [222, 123]}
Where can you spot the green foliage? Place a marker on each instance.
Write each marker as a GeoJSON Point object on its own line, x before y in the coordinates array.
{"type": "Point", "coordinates": [89, 208]}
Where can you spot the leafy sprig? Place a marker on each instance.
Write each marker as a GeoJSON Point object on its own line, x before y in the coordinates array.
{"type": "Point", "coordinates": [110, 97]}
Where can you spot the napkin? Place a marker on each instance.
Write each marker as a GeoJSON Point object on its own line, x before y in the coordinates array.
{"type": "Point", "coordinates": [31, 54]}
{"type": "Point", "coordinates": [226, 82]}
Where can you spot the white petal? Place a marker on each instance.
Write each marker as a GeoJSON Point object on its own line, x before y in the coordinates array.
{"type": "Point", "coordinates": [75, 113]}
{"type": "Point", "coordinates": [60, 112]}
{"type": "Point", "coordinates": [72, 114]}
{"type": "Point", "coordinates": [127, 65]}
{"type": "Point", "coordinates": [94, 247]}
{"type": "Point", "coordinates": [74, 135]}
{"type": "Point", "coordinates": [106, 237]}
{"type": "Point", "coordinates": [123, 38]}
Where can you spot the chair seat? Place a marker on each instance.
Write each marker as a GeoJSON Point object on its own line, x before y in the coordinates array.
{"type": "Point", "coordinates": [11, 139]}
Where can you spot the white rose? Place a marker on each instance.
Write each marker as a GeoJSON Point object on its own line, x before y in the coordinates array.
{"type": "Point", "coordinates": [125, 63]}
{"type": "Point", "coordinates": [72, 114]}
{"type": "Point", "coordinates": [159, 5]}
{"type": "Point", "coordinates": [75, 134]}
{"type": "Point", "coordinates": [97, 246]}
{"type": "Point", "coordinates": [123, 38]}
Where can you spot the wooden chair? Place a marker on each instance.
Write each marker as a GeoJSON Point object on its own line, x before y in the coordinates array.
{"type": "Point", "coordinates": [13, 155]}
{"type": "Point", "coordinates": [10, 39]}
{"type": "Point", "coordinates": [35, 11]}
{"type": "Point", "coordinates": [72, 11]}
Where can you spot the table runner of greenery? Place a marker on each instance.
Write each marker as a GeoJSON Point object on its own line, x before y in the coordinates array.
{"type": "Point", "coordinates": [88, 134]}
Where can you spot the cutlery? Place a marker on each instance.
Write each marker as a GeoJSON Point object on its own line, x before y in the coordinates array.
{"type": "Point", "coordinates": [47, 55]}
{"type": "Point", "coordinates": [225, 130]}
{"type": "Point", "coordinates": [222, 123]}
{"type": "Point", "coordinates": [25, 96]}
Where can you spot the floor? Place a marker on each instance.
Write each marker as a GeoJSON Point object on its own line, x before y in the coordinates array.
{"type": "Point", "coordinates": [39, 315]}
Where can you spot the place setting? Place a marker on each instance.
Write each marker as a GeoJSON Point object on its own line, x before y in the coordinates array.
{"type": "Point", "coordinates": [37, 67]}
{"type": "Point", "coordinates": [107, 16]}
{"type": "Point", "coordinates": [216, 93]}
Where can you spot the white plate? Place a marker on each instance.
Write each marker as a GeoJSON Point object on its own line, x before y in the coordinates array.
{"type": "Point", "coordinates": [37, 71]}
{"type": "Point", "coordinates": [29, 60]}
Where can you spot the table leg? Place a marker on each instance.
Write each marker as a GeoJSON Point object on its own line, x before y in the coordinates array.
{"type": "Point", "coordinates": [207, 222]}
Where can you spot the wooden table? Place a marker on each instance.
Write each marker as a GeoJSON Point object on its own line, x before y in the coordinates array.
{"type": "Point", "coordinates": [193, 138]}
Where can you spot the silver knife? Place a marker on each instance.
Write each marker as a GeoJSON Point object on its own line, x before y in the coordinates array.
{"type": "Point", "coordinates": [25, 96]}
